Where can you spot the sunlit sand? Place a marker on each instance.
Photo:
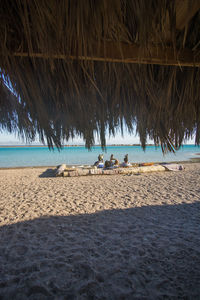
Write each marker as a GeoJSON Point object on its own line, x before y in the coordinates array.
{"type": "Point", "coordinates": [100, 237]}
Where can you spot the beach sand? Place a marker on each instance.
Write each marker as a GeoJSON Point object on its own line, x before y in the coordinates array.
{"type": "Point", "coordinates": [100, 237]}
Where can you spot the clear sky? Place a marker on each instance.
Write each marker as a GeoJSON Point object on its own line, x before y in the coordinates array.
{"type": "Point", "coordinates": [11, 139]}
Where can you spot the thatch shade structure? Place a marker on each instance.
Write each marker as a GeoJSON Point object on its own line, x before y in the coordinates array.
{"type": "Point", "coordinates": [82, 67]}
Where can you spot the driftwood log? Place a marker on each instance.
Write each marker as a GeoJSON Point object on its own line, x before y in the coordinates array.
{"type": "Point", "coordinates": [63, 171]}
{"type": "Point", "coordinates": [60, 170]}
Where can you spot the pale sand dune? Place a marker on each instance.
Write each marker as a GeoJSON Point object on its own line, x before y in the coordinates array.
{"type": "Point", "coordinates": [100, 237]}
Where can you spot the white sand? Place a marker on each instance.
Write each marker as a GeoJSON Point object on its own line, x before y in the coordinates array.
{"type": "Point", "coordinates": [100, 237]}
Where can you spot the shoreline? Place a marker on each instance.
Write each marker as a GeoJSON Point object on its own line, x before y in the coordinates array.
{"type": "Point", "coordinates": [190, 161]}
{"type": "Point", "coordinates": [32, 157]}
{"type": "Point", "coordinates": [66, 146]}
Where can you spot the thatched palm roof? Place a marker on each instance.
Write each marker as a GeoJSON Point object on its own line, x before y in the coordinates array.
{"type": "Point", "coordinates": [81, 67]}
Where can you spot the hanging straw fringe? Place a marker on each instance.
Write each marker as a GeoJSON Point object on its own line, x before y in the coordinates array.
{"type": "Point", "coordinates": [59, 98]}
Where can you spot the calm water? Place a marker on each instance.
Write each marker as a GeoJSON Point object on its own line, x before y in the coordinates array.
{"type": "Point", "coordinates": [41, 156]}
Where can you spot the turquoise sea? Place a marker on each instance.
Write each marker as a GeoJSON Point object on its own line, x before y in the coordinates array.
{"type": "Point", "coordinates": [42, 156]}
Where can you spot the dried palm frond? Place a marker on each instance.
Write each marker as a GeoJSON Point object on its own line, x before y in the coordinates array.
{"type": "Point", "coordinates": [59, 95]}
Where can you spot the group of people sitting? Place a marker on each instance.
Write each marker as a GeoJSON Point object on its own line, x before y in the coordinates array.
{"type": "Point", "coordinates": [112, 163]}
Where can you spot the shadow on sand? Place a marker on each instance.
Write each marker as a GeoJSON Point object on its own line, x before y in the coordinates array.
{"type": "Point", "coordinates": [150, 252]}
{"type": "Point", "coordinates": [48, 173]}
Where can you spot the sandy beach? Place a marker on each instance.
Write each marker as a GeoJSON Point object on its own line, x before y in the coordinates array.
{"type": "Point", "coordinates": [100, 237]}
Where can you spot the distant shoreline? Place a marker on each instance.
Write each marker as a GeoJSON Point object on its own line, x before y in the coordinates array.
{"type": "Point", "coordinates": [67, 146]}
{"type": "Point", "coordinates": [189, 161]}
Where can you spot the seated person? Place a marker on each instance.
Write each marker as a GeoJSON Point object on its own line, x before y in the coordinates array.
{"type": "Point", "coordinates": [100, 158]}
{"type": "Point", "coordinates": [125, 163]}
{"type": "Point", "coordinates": [114, 161]}
{"type": "Point", "coordinates": [99, 163]}
{"type": "Point", "coordinates": [108, 164]}
{"type": "Point", "coordinates": [126, 158]}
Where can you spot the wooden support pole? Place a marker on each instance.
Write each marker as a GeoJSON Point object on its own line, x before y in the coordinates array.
{"type": "Point", "coordinates": [128, 53]}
